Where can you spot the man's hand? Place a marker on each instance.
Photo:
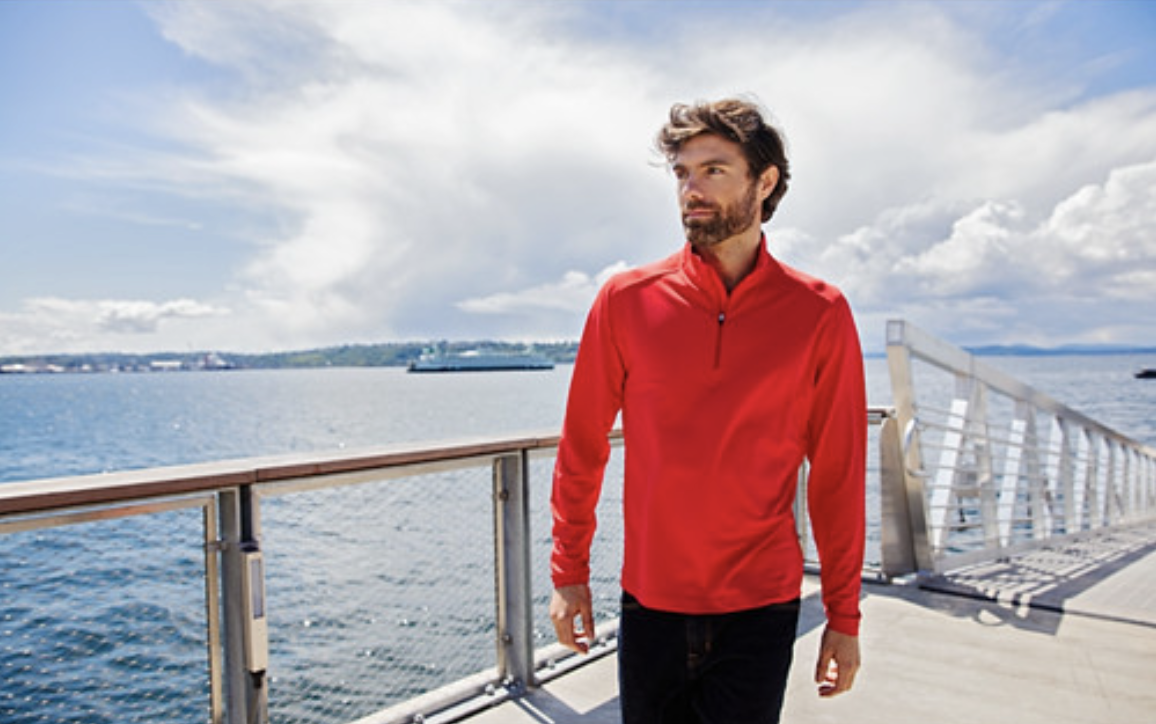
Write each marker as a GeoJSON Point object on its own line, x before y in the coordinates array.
{"type": "Point", "coordinates": [571, 603]}
{"type": "Point", "coordinates": [838, 663]}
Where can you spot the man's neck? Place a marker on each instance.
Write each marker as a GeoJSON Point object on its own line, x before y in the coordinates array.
{"type": "Point", "coordinates": [734, 258]}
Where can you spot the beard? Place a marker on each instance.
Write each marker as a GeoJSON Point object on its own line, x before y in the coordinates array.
{"type": "Point", "coordinates": [726, 222]}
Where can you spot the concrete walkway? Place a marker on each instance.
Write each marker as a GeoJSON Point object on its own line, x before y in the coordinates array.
{"type": "Point", "coordinates": [1057, 637]}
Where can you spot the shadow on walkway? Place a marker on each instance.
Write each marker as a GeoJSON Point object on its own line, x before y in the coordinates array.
{"type": "Point", "coordinates": [1102, 576]}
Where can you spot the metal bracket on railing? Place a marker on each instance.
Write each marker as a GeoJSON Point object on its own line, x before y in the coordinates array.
{"type": "Point", "coordinates": [909, 433]}
{"type": "Point", "coordinates": [242, 586]}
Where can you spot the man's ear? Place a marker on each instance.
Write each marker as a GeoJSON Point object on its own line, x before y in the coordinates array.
{"type": "Point", "coordinates": [767, 181]}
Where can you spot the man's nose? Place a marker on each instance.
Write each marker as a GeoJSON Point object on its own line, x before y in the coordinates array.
{"type": "Point", "coordinates": [690, 189]}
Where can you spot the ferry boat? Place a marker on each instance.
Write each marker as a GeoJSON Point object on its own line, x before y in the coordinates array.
{"type": "Point", "coordinates": [479, 361]}
{"type": "Point", "coordinates": [1148, 373]}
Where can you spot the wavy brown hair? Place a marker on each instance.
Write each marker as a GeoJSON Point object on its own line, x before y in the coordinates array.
{"type": "Point", "coordinates": [738, 121]}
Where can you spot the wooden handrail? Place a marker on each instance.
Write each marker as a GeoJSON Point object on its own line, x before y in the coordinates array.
{"type": "Point", "coordinates": [49, 494]}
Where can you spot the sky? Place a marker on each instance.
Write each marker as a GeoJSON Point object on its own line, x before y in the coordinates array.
{"type": "Point", "coordinates": [264, 176]}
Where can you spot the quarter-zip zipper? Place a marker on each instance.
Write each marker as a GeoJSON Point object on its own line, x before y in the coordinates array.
{"type": "Point", "coordinates": [722, 318]}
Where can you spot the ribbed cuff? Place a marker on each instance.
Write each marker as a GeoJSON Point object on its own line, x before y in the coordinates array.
{"type": "Point", "coordinates": [848, 625]}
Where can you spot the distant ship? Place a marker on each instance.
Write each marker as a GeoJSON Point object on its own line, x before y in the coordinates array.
{"type": "Point", "coordinates": [1148, 373]}
{"type": "Point", "coordinates": [478, 361]}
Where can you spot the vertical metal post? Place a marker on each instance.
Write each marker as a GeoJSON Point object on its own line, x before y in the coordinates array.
{"type": "Point", "coordinates": [1034, 470]}
{"type": "Point", "coordinates": [1053, 479]}
{"type": "Point", "coordinates": [1085, 474]}
{"type": "Point", "coordinates": [1013, 471]}
{"type": "Point", "coordinates": [1127, 484]}
{"type": "Point", "coordinates": [1067, 476]}
{"type": "Point", "coordinates": [213, 613]}
{"type": "Point", "coordinates": [1144, 480]}
{"type": "Point", "coordinates": [512, 571]}
{"type": "Point", "coordinates": [1111, 499]}
{"type": "Point", "coordinates": [246, 700]}
{"type": "Point", "coordinates": [911, 454]}
{"type": "Point", "coordinates": [898, 544]}
{"type": "Point", "coordinates": [802, 522]}
{"type": "Point", "coordinates": [981, 446]}
{"type": "Point", "coordinates": [1149, 497]}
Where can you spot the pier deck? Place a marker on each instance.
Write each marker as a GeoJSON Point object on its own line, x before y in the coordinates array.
{"type": "Point", "coordinates": [1057, 636]}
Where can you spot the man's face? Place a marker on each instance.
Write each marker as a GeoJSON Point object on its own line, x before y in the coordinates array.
{"type": "Point", "coordinates": [716, 194]}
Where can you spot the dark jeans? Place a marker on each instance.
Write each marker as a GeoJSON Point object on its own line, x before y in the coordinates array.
{"type": "Point", "coordinates": [710, 669]}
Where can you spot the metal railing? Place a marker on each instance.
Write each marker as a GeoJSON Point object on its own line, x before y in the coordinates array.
{"type": "Point", "coordinates": [303, 559]}
{"type": "Point", "coordinates": [993, 467]}
{"type": "Point", "coordinates": [232, 498]}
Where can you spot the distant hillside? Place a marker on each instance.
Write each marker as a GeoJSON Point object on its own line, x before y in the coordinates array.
{"type": "Point", "coordinates": [1018, 350]}
{"type": "Point", "coordinates": [392, 354]}
{"type": "Point", "coordinates": [400, 354]}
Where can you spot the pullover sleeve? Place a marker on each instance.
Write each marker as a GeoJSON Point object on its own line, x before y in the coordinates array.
{"type": "Point", "coordinates": [593, 404]}
{"type": "Point", "coordinates": [837, 448]}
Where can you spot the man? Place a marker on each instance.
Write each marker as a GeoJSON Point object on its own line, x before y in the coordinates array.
{"type": "Point", "coordinates": [729, 369]}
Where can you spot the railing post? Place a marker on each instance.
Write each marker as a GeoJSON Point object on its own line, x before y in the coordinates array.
{"type": "Point", "coordinates": [910, 453]}
{"type": "Point", "coordinates": [898, 544]}
{"type": "Point", "coordinates": [981, 446]}
{"type": "Point", "coordinates": [1084, 475]}
{"type": "Point", "coordinates": [1128, 478]}
{"type": "Point", "coordinates": [246, 697]}
{"type": "Point", "coordinates": [1067, 476]}
{"type": "Point", "coordinates": [802, 521]}
{"type": "Point", "coordinates": [1036, 472]}
{"type": "Point", "coordinates": [211, 524]}
{"type": "Point", "coordinates": [512, 571]}
{"type": "Point", "coordinates": [1111, 494]}
{"type": "Point", "coordinates": [1053, 495]}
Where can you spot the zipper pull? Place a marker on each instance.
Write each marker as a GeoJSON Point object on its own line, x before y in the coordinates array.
{"type": "Point", "coordinates": [722, 317]}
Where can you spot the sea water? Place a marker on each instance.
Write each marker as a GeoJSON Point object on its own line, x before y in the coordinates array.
{"type": "Point", "coordinates": [79, 641]}
{"type": "Point", "coordinates": [74, 424]}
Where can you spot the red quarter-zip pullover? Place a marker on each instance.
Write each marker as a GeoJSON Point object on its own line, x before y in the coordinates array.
{"type": "Point", "coordinates": [722, 397]}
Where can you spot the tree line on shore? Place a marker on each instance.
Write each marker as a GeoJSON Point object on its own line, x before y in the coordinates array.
{"type": "Point", "coordinates": [389, 354]}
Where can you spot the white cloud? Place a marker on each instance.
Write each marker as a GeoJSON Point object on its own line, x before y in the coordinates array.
{"type": "Point", "coordinates": [997, 276]}
{"type": "Point", "coordinates": [974, 257]}
{"type": "Point", "coordinates": [1100, 241]}
{"type": "Point", "coordinates": [136, 317]}
{"type": "Point", "coordinates": [573, 293]}
{"type": "Point", "coordinates": [436, 152]}
{"type": "Point", "coordinates": [48, 322]}
{"type": "Point", "coordinates": [434, 169]}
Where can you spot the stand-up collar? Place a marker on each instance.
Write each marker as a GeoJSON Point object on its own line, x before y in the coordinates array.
{"type": "Point", "coordinates": [705, 277]}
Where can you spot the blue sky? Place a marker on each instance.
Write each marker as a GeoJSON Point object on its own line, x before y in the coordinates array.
{"type": "Point", "coordinates": [255, 176]}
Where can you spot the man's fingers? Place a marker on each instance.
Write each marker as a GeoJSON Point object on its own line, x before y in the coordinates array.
{"type": "Point", "coordinates": [838, 663]}
{"type": "Point", "coordinates": [568, 607]}
{"type": "Point", "coordinates": [565, 633]}
{"type": "Point", "coordinates": [823, 667]}
{"type": "Point", "coordinates": [836, 680]}
{"type": "Point", "coordinates": [564, 628]}
{"type": "Point", "coordinates": [569, 635]}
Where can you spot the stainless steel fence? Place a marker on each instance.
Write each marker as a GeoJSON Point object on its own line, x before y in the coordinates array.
{"type": "Point", "coordinates": [318, 588]}
{"type": "Point", "coordinates": [987, 466]}
{"type": "Point", "coordinates": [393, 585]}
{"type": "Point", "coordinates": [105, 612]}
